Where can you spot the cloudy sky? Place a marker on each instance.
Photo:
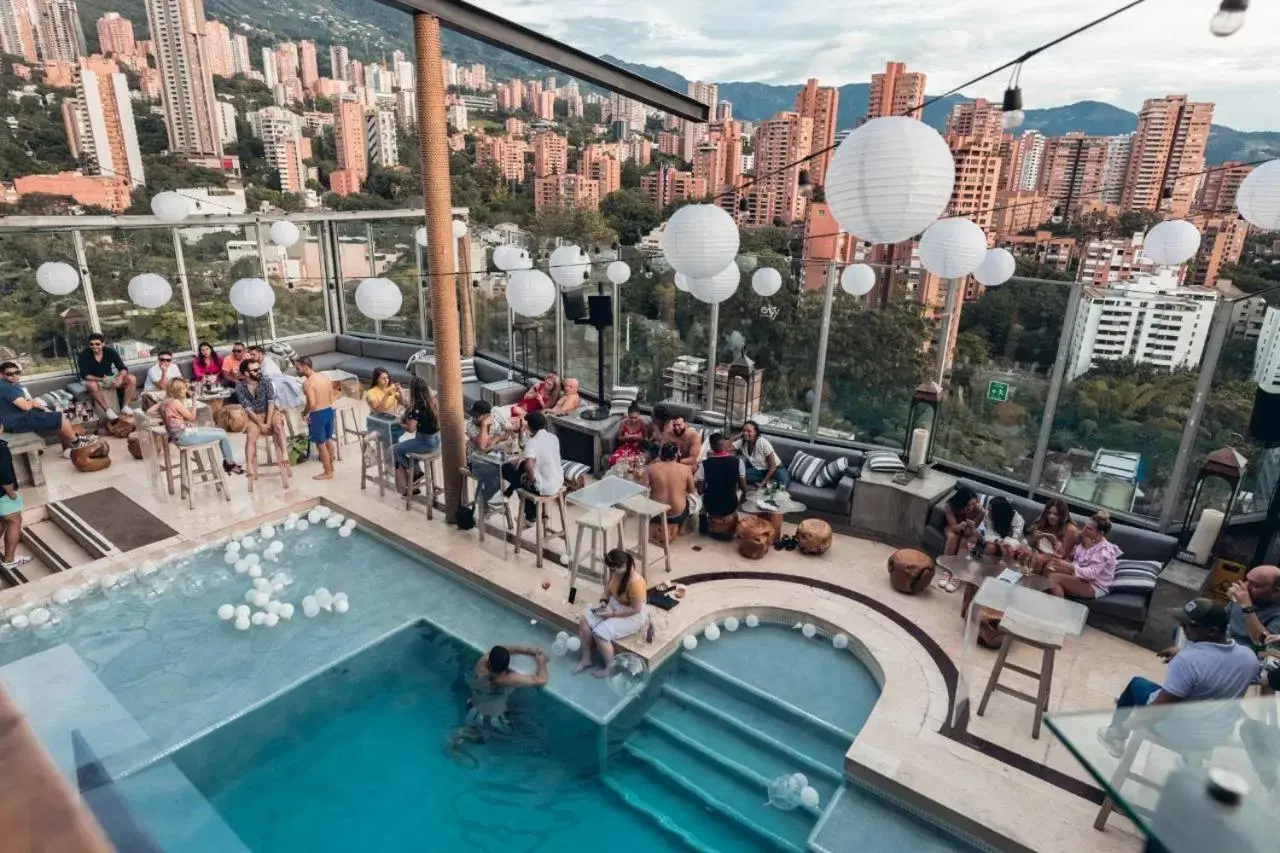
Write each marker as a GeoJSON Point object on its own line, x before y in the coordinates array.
{"type": "Point", "coordinates": [1157, 48]}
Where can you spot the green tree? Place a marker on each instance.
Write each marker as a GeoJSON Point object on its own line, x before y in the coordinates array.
{"type": "Point", "coordinates": [630, 213]}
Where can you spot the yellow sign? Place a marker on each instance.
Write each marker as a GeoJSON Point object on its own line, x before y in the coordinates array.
{"type": "Point", "coordinates": [1223, 574]}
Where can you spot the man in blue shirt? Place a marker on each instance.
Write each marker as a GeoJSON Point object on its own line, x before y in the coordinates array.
{"type": "Point", "coordinates": [20, 413]}
{"type": "Point", "coordinates": [100, 367]}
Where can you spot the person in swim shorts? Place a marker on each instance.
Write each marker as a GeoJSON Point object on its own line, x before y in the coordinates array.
{"type": "Point", "coordinates": [318, 389]}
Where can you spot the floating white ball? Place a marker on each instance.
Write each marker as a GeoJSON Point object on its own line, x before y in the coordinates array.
{"type": "Point", "coordinates": [1171, 242]}
{"type": "Point", "coordinates": [618, 272]}
{"type": "Point", "coordinates": [255, 571]}
{"type": "Point", "coordinates": [530, 293]}
{"type": "Point", "coordinates": [341, 597]}
{"type": "Point", "coordinates": [65, 594]}
{"type": "Point", "coordinates": [952, 248]}
{"type": "Point", "coordinates": [253, 559]}
{"type": "Point", "coordinates": [286, 611]}
{"type": "Point", "coordinates": [344, 532]}
{"type": "Point", "coordinates": [799, 781]}
{"type": "Point", "coordinates": [150, 291]}
{"type": "Point", "coordinates": [303, 524]}
{"type": "Point", "coordinates": [752, 620]}
{"type": "Point", "coordinates": [241, 566]}
{"type": "Point", "coordinates": [242, 623]}
{"type": "Point", "coordinates": [39, 616]}
{"type": "Point", "coordinates": [997, 267]}
{"type": "Point", "coordinates": [573, 644]}
{"type": "Point", "coordinates": [808, 629]}
{"type": "Point", "coordinates": [242, 610]}
{"type": "Point", "coordinates": [341, 607]}
{"type": "Point", "coordinates": [766, 281]}
{"type": "Point", "coordinates": [332, 523]}
{"type": "Point", "coordinates": [258, 618]}
{"type": "Point", "coordinates": [260, 598]}
{"type": "Point", "coordinates": [226, 612]}
{"type": "Point", "coordinates": [731, 623]}
{"type": "Point", "coordinates": [249, 595]}
{"type": "Point", "coordinates": [231, 557]}
{"type": "Point", "coordinates": [858, 279]}
{"type": "Point", "coordinates": [271, 619]}
{"type": "Point", "coordinates": [700, 240]}
{"type": "Point", "coordinates": [324, 598]}
{"type": "Point", "coordinates": [57, 278]}
{"type": "Point", "coordinates": [1258, 198]}
{"type": "Point", "coordinates": [266, 531]}
{"type": "Point", "coordinates": [690, 642]}
{"type": "Point", "coordinates": [559, 647]}
{"type": "Point", "coordinates": [309, 606]}
{"type": "Point", "coordinates": [252, 297]}
{"type": "Point", "coordinates": [712, 632]}
{"type": "Point", "coordinates": [21, 620]}
{"type": "Point", "coordinates": [809, 797]}
{"type": "Point", "coordinates": [284, 233]}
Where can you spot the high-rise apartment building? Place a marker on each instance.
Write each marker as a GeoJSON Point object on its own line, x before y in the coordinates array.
{"type": "Point", "coordinates": [625, 109]}
{"type": "Point", "coordinates": [781, 144]}
{"type": "Point", "coordinates": [1026, 165]}
{"type": "Point", "coordinates": [17, 32]}
{"type": "Point", "coordinates": [310, 69]}
{"type": "Point", "coordinates": [506, 152]}
{"type": "Point", "coordinates": [896, 92]}
{"type": "Point", "coordinates": [565, 191]}
{"type": "Point", "coordinates": [975, 134]}
{"type": "Point", "coordinates": [180, 43]}
{"type": "Point", "coordinates": [550, 155]}
{"type": "Point", "coordinates": [349, 137]}
{"type": "Point", "coordinates": [1222, 239]}
{"type": "Point", "coordinates": [338, 59]}
{"type": "Point", "coordinates": [270, 75]}
{"type": "Point", "coordinates": [61, 38]}
{"type": "Point", "coordinates": [667, 186]}
{"type": "Point", "coordinates": [99, 122]}
{"type": "Point", "coordinates": [1071, 174]}
{"type": "Point", "coordinates": [724, 111]}
{"type": "Point", "coordinates": [115, 34]}
{"type": "Point", "coordinates": [240, 54]}
{"type": "Point", "coordinates": [380, 137]}
{"type": "Point", "coordinates": [1266, 358]}
{"type": "Point", "coordinates": [601, 164]}
{"type": "Point", "coordinates": [1115, 168]}
{"type": "Point", "coordinates": [226, 122]}
{"type": "Point", "coordinates": [406, 107]}
{"type": "Point", "coordinates": [219, 45]}
{"type": "Point", "coordinates": [820, 104]}
{"type": "Point", "coordinates": [281, 133]}
{"type": "Point", "coordinates": [1218, 193]}
{"type": "Point", "coordinates": [1114, 261]}
{"type": "Point", "coordinates": [693, 133]}
{"type": "Point", "coordinates": [1169, 144]}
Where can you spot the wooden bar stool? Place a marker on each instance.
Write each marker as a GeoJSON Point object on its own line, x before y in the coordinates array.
{"type": "Point", "coordinates": [600, 523]}
{"type": "Point", "coordinates": [213, 475]}
{"type": "Point", "coordinates": [168, 469]}
{"type": "Point", "coordinates": [346, 427]}
{"type": "Point", "coordinates": [541, 534]}
{"type": "Point", "coordinates": [427, 485]}
{"type": "Point", "coordinates": [373, 463]}
{"type": "Point", "coordinates": [484, 508]}
{"type": "Point", "coordinates": [644, 510]}
{"type": "Point", "coordinates": [1195, 757]}
{"type": "Point", "coordinates": [1036, 637]}
{"type": "Point", "coordinates": [251, 454]}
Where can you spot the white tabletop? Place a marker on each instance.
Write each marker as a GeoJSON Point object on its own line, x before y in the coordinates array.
{"type": "Point", "coordinates": [606, 493]}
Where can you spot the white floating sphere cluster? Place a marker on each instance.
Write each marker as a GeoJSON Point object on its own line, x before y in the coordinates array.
{"type": "Point", "coordinates": [997, 267]}
{"type": "Point", "coordinates": [1171, 242]}
{"type": "Point", "coordinates": [766, 281]}
{"type": "Point", "coordinates": [700, 240]}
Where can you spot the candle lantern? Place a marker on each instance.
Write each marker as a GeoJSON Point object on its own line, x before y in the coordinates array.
{"type": "Point", "coordinates": [924, 405]}
{"type": "Point", "coordinates": [1202, 526]}
{"type": "Point", "coordinates": [741, 390]}
{"type": "Point", "coordinates": [524, 327]}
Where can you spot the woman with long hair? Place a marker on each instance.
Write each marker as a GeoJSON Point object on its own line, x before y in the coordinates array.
{"type": "Point", "coordinates": [964, 512]}
{"type": "Point", "coordinates": [207, 364]}
{"type": "Point", "coordinates": [1092, 568]}
{"type": "Point", "coordinates": [1054, 533]}
{"type": "Point", "coordinates": [179, 424]}
{"type": "Point", "coordinates": [619, 614]}
{"type": "Point", "coordinates": [1002, 529]}
{"type": "Point", "coordinates": [385, 398]}
{"type": "Point", "coordinates": [423, 420]}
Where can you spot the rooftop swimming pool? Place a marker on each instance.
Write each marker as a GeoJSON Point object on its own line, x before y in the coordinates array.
{"type": "Point", "coordinates": [336, 732]}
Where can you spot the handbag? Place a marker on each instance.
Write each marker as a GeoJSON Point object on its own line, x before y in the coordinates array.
{"type": "Point", "coordinates": [299, 449]}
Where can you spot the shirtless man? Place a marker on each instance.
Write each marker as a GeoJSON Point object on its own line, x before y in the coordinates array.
{"type": "Point", "coordinates": [319, 414]}
{"type": "Point", "coordinates": [670, 481]}
{"type": "Point", "coordinates": [492, 681]}
{"type": "Point", "coordinates": [686, 440]}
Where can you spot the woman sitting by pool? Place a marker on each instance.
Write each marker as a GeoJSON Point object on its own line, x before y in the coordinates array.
{"type": "Point", "coordinates": [492, 681]}
{"type": "Point", "coordinates": [618, 615]}
{"type": "Point", "coordinates": [1092, 569]}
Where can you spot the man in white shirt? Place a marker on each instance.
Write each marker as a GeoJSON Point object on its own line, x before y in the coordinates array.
{"type": "Point", "coordinates": [541, 470]}
{"type": "Point", "coordinates": [763, 464]}
{"type": "Point", "coordinates": [159, 376]}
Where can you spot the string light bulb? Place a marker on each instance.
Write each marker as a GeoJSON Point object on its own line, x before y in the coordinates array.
{"type": "Point", "coordinates": [1012, 106]}
{"type": "Point", "coordinates": [1229, 18]}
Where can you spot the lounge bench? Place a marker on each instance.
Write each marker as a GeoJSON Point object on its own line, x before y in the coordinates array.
{"type": "Point", "coordinates": [26, 449]}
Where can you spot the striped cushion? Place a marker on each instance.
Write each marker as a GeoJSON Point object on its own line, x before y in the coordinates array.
{"type": "Point", "coordinates": [621, 398]}
{"type": "Point", "coordinates": [884, 461]}
{"type": "Point", "coordinates": [1136, 576]}
{"type": "Point", "coordinates": [833, 471]}
{"type": "Point", "coordinates": [574, 470]}
{"type": "Point", "coordinates": [806, 469]}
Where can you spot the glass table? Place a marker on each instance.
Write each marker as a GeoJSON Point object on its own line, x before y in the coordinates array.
{"type": "Point", "coordinates": [607, 492]}
{"type": "Point", "coordinates": [972, 571]}
{"type": "Point", "coordinates": [1193, 776]}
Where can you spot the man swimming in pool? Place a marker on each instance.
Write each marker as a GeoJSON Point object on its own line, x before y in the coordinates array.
{"type": "Point", "coordinates": [492, 682]}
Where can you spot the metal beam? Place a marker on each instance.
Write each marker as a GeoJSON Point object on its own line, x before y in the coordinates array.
{"type": "Point", "coordinates": [506, 35]}
{"type": "Point", "coordinates": [1069, 320]}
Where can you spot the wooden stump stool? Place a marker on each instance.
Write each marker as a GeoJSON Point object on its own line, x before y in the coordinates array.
{"type": "Point", "coordinates": [755, 537]}
{"type": "Point", "coordinates": [232, 418]}
{"type": "Point", "coordinates": [93, 457]}
{"type": "Point", "coordinates": [910, 570]}
{"type": "Point", "coordinates": [722, 527]}
{"type": "Point", "coordinates": [813, 537]}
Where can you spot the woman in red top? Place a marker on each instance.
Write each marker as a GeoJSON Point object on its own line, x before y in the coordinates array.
{"type": "Point", "coordinates": [635, 434]}
{"type": "Point", "coordinates": [206, 363]}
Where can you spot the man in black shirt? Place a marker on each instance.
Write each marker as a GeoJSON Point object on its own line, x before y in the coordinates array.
{"type": "Point", "coordinates": [101, 367]}
{"type": "Point", "coordinates": [722, 476]}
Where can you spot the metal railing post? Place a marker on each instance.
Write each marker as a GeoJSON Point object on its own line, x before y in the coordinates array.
{"type": "Point", "coordinates": [86, 281]}
{"type": "Point", "coordinates": [192, 334]}
{"type": "Point", "coordinates": [714, 333]}
{"type": "Point", "coordinates": [262, 264]}
{"type": "Point", "coordinates": [819, 376]}
{"type": "Point", "coordinates": [1056, 376]}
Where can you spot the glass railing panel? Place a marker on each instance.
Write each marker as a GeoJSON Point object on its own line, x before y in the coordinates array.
{"type": "Point", "coordinates": [116, 257]}
{"type": "Point", "coordinates": [40, 331]}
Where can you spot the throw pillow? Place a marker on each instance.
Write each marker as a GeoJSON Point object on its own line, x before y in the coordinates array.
{"type": "Point", "coordinates": [1137, 576]}
{"type": "Point", "coordinates": [833, 471]}
{"type": "Point", "coordinates": [884, 461]}
{"type": "Point", "coordinates": [806, 468]}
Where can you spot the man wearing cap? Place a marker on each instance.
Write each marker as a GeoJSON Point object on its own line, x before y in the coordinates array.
{"type": "Point", "coordinates": [1212, 666]}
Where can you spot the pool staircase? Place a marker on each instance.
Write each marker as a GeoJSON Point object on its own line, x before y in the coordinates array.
{"type": "Point", "coordinates": [701, 759]}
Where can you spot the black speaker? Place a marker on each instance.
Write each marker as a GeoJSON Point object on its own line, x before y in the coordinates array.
{"type": "Point", "coordinates": [575, 304]}
{"type": "Point", "coordinates": [600, 313]}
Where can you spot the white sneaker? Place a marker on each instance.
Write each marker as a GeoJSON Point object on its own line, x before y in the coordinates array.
{"type": "Point", "coordinates": [130, 410]}
{"type": "Point", "coordinates": [111, 414]}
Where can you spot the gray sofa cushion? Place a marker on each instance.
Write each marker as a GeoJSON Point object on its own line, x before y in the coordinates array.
{"type": "Point", "coordinates": [314, 345]}
{"type": "Point", "coordinates": [824, 500]}
{"type": "Point", "coordinates": [363, 367]}
{"type": "Point", "coordinates": [348, 344]}
{"type": "Point", "coordinates": [328, 360]}
{"type": "Point", "coordinates": [389, 351]}
{"type": "Point", "coordinates": [1129, 606]}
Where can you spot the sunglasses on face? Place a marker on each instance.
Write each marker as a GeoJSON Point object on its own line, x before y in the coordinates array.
{"type": "Point", "coordinates": [12, 373]}
{"type": "Point", "coordinates": [238, 352]}
{"type": "Point", "coordinates": [96, 345]}
{"type": "Point", "coordinates": [165, 360]}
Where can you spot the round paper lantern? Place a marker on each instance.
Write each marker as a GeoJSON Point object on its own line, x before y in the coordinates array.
{"type": "Point", "coordinates": [379, 298]}
{"type": "Point", "coordinates": [169, 207]}
{"type": "Point", "coordinates": [889, 179]}
{"type": "Point", "coordinates": [530, 293]}
{"type": "Point", "coordinates": [252, 297]}
{"type": "Point", "coordinates": [857, 279]}
{"type": "Point", "coordinates": [700, 240]}
{"type": "Point", "coordinates": [766, 281]}
{"type": "Point", "coordinates": [1171, 242]}
{"type": "Point", "coordinates": [952, 248]}
{"type": "Point", "coordinates": [459, 229]}
{"type": "Point", "coordinates": [420, 236]}
{"type": "Point", "coordinates": [996, 268]}
{"type": "Point", "coordinates": [510, 258]}
{"type": "Point", "coordinates": [618, 272]}
{"type": "Point", "coordinates": [284, 233]}
{"type": "Point", "coordinates": [149, 290]}
{"type": "Point", "coordinates": [682, 282]}
{"type": "Point", "coordinates": [569, 266]}
{"type": "Point", "coordinates": [57, 278]}
{"type": "Point", "coordinates": [1258, 198]}
{"type": "Point", "coordinates": [718, 287]}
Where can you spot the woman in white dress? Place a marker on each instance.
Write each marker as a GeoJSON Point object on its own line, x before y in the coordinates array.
{"type": "Point", "coordinates": [619, 614]}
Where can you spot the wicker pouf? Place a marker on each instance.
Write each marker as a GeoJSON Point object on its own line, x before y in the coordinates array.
{"type": "Point", "coordinates": [910, 570]}
{"type": "Point", "coordinates": [722, 527]}
{"type": "Point", "coordinates": [121, 427]}
{"type": "Point", "coordinates": [232, 418]}
{"type": "Point", "coordinates": [135, 447]}
{"type": "Point", "coordinates": [813, 536]}
{"type": "Point", "coordinates": [755, 537]}
{"type": "Point", "coordinates": [93, 457]}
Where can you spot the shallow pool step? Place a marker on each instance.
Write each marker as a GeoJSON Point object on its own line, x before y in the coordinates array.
{"type": "Point", "coordinates": [737, 794]}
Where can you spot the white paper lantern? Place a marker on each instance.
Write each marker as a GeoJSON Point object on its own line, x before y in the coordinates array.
{"type": "Point", "coordinates": [530, 293]}
{"type": "Point", "coordinates": [700, 240]}
{"type": "Point", "coordinates": [569, 266]}
{"type": "Point", "coordinates": [420, 236]}
{"type": "Point", "coordinates": [252, 297]}
{"type": "Point", "coordinates": [889, 179]}
{"type": "Point", "coordinates": [379, 298]}
{"type": "Point", "coordinates": [169, 207]}
{"type": "Point", "coordinates": [618, 272]}
{"type": "Point", "coordinates": [459, 229]}
{"type": "Point", "coordinates": [57, 278]}
{"type": "Point", "coordinates": [284, 233]}
{"type": "Point", "coordinates": [682, 282]}
{"type": "Point", "coordinates": [857, 279]}
{"type": "Point", "coordinates": [952, 248]}
{"type": "Point", "coordinates": [766, 281]}
{"type": "Point", "coordinates": [511, 258]}
{"type": "Point", "coordinates": [1171, 242]}
{"type": "Point", "coordinates": [1258, 198]}
{"type": "Point", "coordinates": [718, 287]}
{"type": "Point", "coordinates": [997, 267]}
{"type": "Point", "coordinates": [149, 290]}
